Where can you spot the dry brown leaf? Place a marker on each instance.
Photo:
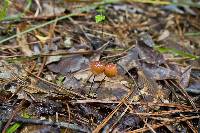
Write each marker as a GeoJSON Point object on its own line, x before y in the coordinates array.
{"type": "Point", "coordinates": [22, 42]}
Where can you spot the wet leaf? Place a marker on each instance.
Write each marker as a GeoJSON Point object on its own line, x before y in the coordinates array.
{"type": "Point", "coordinates": [129, 121]}
{"type": "Point", "coordinates": [146, 38]}
{"type": "Point", "coordinates": [159, 73]}
{"type": "Point", "coordinates": [147, 86]}
{"type": "Point", "coordinates": [69, 64]}
{"type": "Point", "coordinates": [194, 88]}
{"type": "Point", "coordinates": [195, 73]}
{"type": "Point", "coordinates": [71, 82]}
{"type": "Point", "coordinates": [129, 61]}
{"type": "Point", "coordinates": [51, 59]}
{"type": "Point", "coordinates": [149, 55]}
{"type": "Point", "coordinates": [185, 77]}
{"type": "Point", "coordinates": [113, 89]}
{"type": "Point", "coordinates": [90, 112]}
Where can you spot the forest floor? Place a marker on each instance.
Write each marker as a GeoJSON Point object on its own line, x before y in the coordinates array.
{"type": "Point", "coordinates": [99, 66]}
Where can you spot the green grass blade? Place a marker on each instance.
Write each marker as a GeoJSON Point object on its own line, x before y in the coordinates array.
{"type": "Point", "coordinates": [192, 34]}
{"type": "Point", "coordinates": [175, 52]}
{"type": "Point", "coordinates": [79, 10]}
{"type": "Point", "coordinates": [16, 125]}
{"type": "Point", "coordinates": [3, 11]}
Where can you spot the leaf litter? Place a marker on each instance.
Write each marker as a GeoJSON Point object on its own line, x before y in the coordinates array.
{"type": "Point", "coordinates": [152, 91]}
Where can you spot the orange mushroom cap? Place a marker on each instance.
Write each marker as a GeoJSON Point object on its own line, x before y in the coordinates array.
{"type": "Point", "coordinates": [97, 67]}
{"type": "Point", "coordinates": [110, 70]}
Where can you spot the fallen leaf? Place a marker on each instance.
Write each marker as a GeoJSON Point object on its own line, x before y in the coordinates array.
{"type": "Point", "coordinates": [22, 42]}
{"type": "Point", "coordinates": [71, 82]}
{"type": "Point", "coordinates": [163, 35]}
{"type": "Point", "coordinates": [129, 61]}
{"type": "Point", "coordinates": [42, 39]}
{"type": "Point", "coordinates": [159, 73]}
{"type": "Point", "coordinates": [185, 77]}
{"type": "Point", "coordinates": [146, 39]}
{"type": "Point", "coordinates": [194, 88]}
{"type": "Point", "coordinates": [149, 55]}
{"type": "Point", "coordinates": [51, 59]}
{"type": "Point", "coordinates": [69, 64]}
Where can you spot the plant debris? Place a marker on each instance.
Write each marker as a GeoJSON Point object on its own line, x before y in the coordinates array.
{"type": "Point", "coordinates": [99, 66]}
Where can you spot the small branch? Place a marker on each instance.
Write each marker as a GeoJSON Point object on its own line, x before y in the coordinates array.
{"type": "Point", "coordinates": [45, 122]}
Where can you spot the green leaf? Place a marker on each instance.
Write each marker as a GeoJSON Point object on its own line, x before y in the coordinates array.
{"type": "Point", "coordinates": [101, 10]}
{"type": "Point", "coordinates": [99, 18]}
{"type": "Point", "coordinates": [13, 128]}
{"type": "Point", "coordinates": [175, 52]}
{"type": "Point", "coordinates": [60, 80]}
{"type": "Point", "coordinates": [16, 125]}
{"type": "Point", "coordinates": [3, 11]}
{"type": "Point", "coordinates": [28, 5]}
{"type": "Point", "coordinates": [192, 34]}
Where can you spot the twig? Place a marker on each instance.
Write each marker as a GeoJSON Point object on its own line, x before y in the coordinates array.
{"type": "Point", "coordinates": [103, 123]}
{"type": "Point", "coordinates": [171, 105]}
{"type": "Point", "coordinates": [18, 108]}
{"type": "Point", "coordinates": [45, 122]}
{"type": "Point", "coordinates": [163, 124]}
